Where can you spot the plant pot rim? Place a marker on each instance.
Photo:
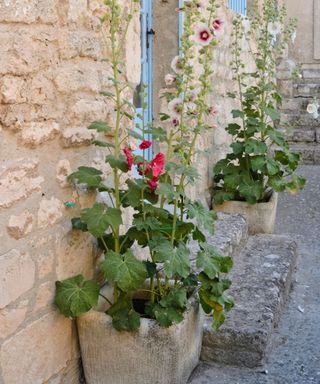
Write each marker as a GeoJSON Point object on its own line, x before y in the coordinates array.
{"type": "Point", "coordinates": [272, 199]}
{"type": "Point", "coordinates": [192, 302]}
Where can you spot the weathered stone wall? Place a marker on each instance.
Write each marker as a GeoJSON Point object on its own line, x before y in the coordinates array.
{"type": "Point", "coordinates": [50, 78]}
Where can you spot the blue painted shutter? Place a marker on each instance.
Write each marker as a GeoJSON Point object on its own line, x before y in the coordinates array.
{"type": "Point", "coordinates": [146, 66]}
{"type": "Point", "coordinates": [239, 6]}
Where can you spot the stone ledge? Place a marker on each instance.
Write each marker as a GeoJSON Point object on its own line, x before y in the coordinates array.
{"type": "Point", "coordinates": [261, 278]}
{"type": "Point", "coordinates": [231, 233]}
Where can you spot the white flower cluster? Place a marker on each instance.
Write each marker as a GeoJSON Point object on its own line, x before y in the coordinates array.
{"type": "Point", "coordinates": [313, 109]}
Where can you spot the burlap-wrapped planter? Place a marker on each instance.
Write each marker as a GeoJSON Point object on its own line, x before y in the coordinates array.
{"type": "Point", "coordinates": [152, 355]}
{"type": "Point", "coordinates": [260, 217]}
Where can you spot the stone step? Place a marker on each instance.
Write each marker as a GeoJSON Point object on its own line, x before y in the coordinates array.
{"type": "Point", "coordinates": [297, 119]}
{"type": "Point", "coordinates": [295, 104]}
{"type": "Point", "coordinates": [307, 87]}
{"type": "Point", "coordinates": [303, 135]}
{"type": "Point", "coordinates": [230, 235]}
{"type": "Point", "coordinates": [261, 276]}
{"type": "Point", "coordinates": [310, 152]}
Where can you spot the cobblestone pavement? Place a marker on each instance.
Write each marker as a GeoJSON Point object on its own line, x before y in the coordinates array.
{"type": "Point", "coordinates": [295, 358]}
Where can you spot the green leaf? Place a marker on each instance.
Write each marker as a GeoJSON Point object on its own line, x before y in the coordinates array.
{"type": "Point", "coordinates": [258, 163]}
{"type": "Point", "coordinates": [134, 134]}
{"type": "Point", "coordinates": [104, 144]}
{"type": "Point", "coordinates": [124, 317]}
{"type": "Point", "coordinates": [212, 263]}
{"type": "Point", "coordinates": [237, 148]}
{"type": "Point", "coordinates": [86, 175]}
{"type": "Point", "coordinates": [76, 296]}
{"type": "Point", "coordinates": [151, 268]}
{"type": "Point", "coordinates": [100, 126]}
{"type": "Point", "coordinates": [204, 217]}
{"type": "Point", "coordinates": [176, 298]}
{"type": "Point", "coordinates": [147, 224]}
{"type": "Point", "coordinates": [168, 191]}
{"type": "Point", "coordinates": [237, 113]}
{"type": "Point", "coordinates": [178, 262]}
{"type": "Point", "coordinates": [107, 94]}
{"type": "Point", "coordinates": [109, 240]}
{"type": "Point", "coordinates": [125, 270]}
{"type": "Point", "coordinates": [77, 223]}
{"type": "Point", "coordinates": [165, 316]}
{"type": "Point", "coordinates": [251, 192]}
{"type": "Point", "coordinates": [233, 129]}
{"type": "Point", "coordinates": [273, 114]}
{"type": "Point", "coordinates": [272, 167]}
{"type": "Point", "coordinates": [157, 133]}
{"type": "Point", "coordinates": [255, 147]}
{"type": "Point", "coordinates": [99, 217]}
{"type": "Point", "coordinates": [118, 163]}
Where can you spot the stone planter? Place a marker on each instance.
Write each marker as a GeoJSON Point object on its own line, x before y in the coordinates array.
{"type": "Point", "coordinates": [260, 217]}
{"type": "Point", "coordinates": [151, 355]}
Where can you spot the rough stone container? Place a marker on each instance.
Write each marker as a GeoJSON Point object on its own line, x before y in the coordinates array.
{"type": "Point", "coordinates": [260, 217]}
{"type": "Point", "coordinates": [150, 355]}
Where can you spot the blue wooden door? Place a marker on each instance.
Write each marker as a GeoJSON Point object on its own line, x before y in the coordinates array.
{"type": "Point", "coordinates": [239, 6]}
{"type": "Point", "coordinates": [146, 71]}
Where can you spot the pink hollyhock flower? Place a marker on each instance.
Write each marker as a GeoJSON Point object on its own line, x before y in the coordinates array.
{"type": "Point", "coordinates": [217, 24]}
{"type": "Point", "coordinates": [129, 157]}
{"type": "Point", "coordinates": [213, 111]}
{"type": "Point", "coordinates": [176, 64]}
{"type": "Point", "coordinates": [203, 35]}
{"type": "Point", "coordinates": [157, 165]}
{"type": "Point", "coordinates": [153, 184]}
{"type": "Point", "coordinates": [145, 144]}
{"type": "Point", "coordinates": [143, 168]}
{"type": "Point", "coordinates": [169, 79]}
{"type": "Point", "coordinates": [175, 107]}
{"type": "Point", "coordinates": [175, 122]}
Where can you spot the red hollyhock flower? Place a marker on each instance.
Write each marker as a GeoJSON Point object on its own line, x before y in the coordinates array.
{"type": "Point", "coordinates": [143, 168]}
{"type": "Point", "coordinates": [157, 165]}
{"type": "Point", "coordinates": [129, 157]}
{"type": "Point", "coordinates": [153, 184]}
{"type": "Point", "coordinates": [145, 144]}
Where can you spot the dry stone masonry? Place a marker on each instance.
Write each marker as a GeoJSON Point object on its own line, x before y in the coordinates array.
{"type": "Point", "coordinates": [50, 77]}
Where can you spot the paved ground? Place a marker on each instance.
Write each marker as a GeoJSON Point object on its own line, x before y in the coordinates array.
{"type": "Point", "coordinates": [295, 358]}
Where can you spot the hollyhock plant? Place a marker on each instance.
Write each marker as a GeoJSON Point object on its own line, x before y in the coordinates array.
{"type": "Point", "coordinates": [203, 35]}
{"type": "Point", "coordinates": [274, 28]}
{"type": "Point", "coordinates": [164, 216]}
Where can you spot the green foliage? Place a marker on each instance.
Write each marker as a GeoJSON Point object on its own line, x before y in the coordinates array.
{"type": "Point", "coordinates": [124, 317]}
{"type": "Point", "coordinates": [125, 270]}
{"type": "Point", "coordinates": [99, 218]}
{"type": "Point", "coordinates": [76, 296]}
{"type": "Point", "coordinates": [86, 175]}
{"type": "Point", "coordinates": [260, 158]}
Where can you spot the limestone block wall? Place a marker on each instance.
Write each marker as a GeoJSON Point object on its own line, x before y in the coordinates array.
{"type": "Point", "coordinates": [50, 77]}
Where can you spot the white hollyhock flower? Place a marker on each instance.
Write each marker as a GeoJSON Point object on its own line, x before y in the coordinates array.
{"type": "Point", "coordinates": [169, 79]}
{"type": "Point", "coordinates": [203, 35]}
{"type": "Point", "coordinates": [176, 64]}
{"type": "Point", "coordinates": [175, 107]}
{"type": "Point", "coordinates": [274, 28]}
{"type": "Point", "coordinates": [312, 108]}
{"type": "Point", "coordinates": [293, 37]}
{"type": "Point", "coordinates": [246, 25]}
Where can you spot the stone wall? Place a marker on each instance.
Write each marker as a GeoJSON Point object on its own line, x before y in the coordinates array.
{"type": "Point", "coordinates": [50, 77]}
